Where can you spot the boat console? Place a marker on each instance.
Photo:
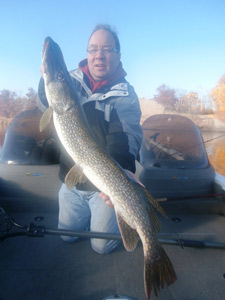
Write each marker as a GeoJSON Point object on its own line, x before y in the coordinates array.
{"type": "Point", "coordinates": [173, 158]}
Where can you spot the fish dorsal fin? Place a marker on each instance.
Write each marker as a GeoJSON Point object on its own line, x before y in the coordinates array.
{"type": "Point", "coordinates": [154, 219]}
{"type": "Point", "coordinates": [147, 195]}
{"type": "Point", "coordinates": [129, 235]}
{"type": "Point", "coordinates": [46, 118]}
{"type": "Point", "coordinates": [154, 203]}
{"type": "Point", "coordinates": [151, 206]}
{"type": "Point", "coordinates": [74, 176]}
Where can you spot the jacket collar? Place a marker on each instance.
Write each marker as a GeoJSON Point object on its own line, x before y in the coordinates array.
{"type": "Point", "coordinates": [96, 85]}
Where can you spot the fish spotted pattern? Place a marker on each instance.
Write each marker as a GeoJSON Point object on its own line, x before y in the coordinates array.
{"type": "Point", "coordinates": [135, 208]}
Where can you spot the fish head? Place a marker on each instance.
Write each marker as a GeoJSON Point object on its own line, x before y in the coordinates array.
{"type": "Point", "coordinates": [58, 83]}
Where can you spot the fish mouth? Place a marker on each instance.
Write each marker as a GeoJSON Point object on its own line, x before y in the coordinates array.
{"type": "Point", "coordinates": [47, 62]}
{"type": "Point", "coordinates": [44, 54]}
{"type": "Point", "coordinates": [52, 59]}
{"type": "Point", "coordinates": [46, 46]}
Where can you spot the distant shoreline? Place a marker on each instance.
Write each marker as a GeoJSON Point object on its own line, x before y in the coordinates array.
{"type": "Point", "coordinates": [214, 123]}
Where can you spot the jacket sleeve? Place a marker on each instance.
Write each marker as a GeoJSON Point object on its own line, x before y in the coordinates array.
{"type": "Point", "coordinates": [125, 135]}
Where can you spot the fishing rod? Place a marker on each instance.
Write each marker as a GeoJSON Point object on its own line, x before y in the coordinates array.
{"type": "Point", "coordinates": [217, 137]}
{"type": "Point", "coordinates": [34, 230]}
{"type": "Point", "coordinates": [174, 137]}
{"type": "Point", "coordinates": [193, 146]}
{"type": "Point", "coordinates": [196, 197]}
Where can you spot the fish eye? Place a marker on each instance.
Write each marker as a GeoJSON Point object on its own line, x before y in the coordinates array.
{"type": "Point", "coordinates": [60, 76]}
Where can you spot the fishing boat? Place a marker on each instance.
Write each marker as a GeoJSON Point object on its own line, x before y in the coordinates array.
{"type": "Point", "coordinates": [36, 264]}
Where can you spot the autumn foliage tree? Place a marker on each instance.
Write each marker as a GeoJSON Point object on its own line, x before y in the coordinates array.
{"type": "Point", "coordinates": [166, 96]}
{"type": "Point", "coordinates": [11, 104]}
{"type": "Point", "coordinates": [178, 100]}
{"type": "Point", "coordinates": [218, 94]}
{"type": "Point", "coordinates": [189, 103]}
{"type": "Point", "coordinates": [30, 100]}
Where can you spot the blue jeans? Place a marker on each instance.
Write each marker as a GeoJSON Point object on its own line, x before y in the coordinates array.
{"type": "Point", "coordinates": [83, 210]}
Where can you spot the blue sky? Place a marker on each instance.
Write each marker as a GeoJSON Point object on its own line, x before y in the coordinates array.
{"type": "Point", "coordinates": [178, 43]}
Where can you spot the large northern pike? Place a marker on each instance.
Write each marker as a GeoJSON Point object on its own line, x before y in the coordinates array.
{"type": "Point", "coordinates": [134, 206]}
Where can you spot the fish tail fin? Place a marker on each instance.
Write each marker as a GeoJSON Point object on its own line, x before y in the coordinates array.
{"type": "Point", "coordinates": [158, 271]}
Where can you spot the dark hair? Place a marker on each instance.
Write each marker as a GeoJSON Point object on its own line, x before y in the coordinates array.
{"type": "Point", "coordinates": [108, 28]}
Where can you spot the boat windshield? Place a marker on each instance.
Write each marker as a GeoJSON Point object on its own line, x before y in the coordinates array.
{"type": "Point", "coordinates": [172, 141]}
{"type": "Point", "coordinates": [25, 145]}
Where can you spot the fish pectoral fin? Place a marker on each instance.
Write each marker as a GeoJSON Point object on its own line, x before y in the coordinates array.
{"type": "Point", "coordinates": [74, 176]}
{"type": "Point", "coordinates": [46, 118]}
{"type": "Point", "coordinates": [129, 235]}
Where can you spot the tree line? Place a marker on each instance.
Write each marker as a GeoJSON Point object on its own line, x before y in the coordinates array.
{"type": "Point", "coordinates": [180, 101]}
{"type": "Point", "coordinates": [11, 104]}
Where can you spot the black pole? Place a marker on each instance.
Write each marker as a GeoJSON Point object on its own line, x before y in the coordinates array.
{"type": "Point", "coordinates": [100, 235]}
{"type": "Point", "coordinates": [83, 234]}
{"type": "Point", "coordinates": [34, 230]}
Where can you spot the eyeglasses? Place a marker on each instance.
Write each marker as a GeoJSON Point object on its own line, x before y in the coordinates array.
{"type": "Point", "coordinates": [105, 50]}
